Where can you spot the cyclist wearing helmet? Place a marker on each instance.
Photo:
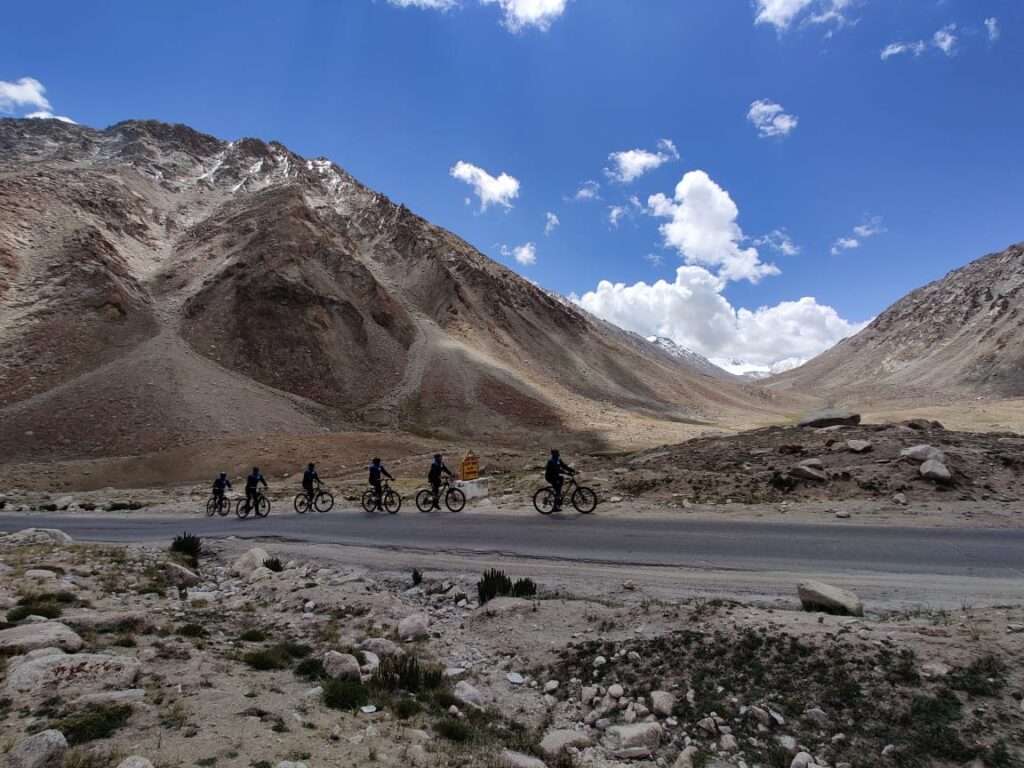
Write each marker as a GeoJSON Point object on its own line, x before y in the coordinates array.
{"type": "Point", "coordinates": [219, 486]}
{"type": "Point", "coordinates": [553, 473]}
{"type": "Point", "coordinates": [252, 483]}
{"type": "Point", "coordinates": [434, 474]}
{"type": "Point", "coordinates": [310, 479]}
{"type": "Point", "coordinates": [376, 471]}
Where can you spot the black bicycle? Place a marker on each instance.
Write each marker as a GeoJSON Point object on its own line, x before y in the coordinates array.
{"type": "Point", "coordinates": [454, 498]}
{"type": "Point", "coordinates": [218, 505]}
{"type": "Point", "coordinates": [582, 498]}
{"type": "Point", "coordinates": [389, 500]}
{"type": "Point", "coordinates": [261, 506]}
{"type": "Point", "coordinates": [321, 500]}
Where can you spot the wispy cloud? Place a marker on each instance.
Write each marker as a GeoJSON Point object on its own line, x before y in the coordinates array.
{"type": "Point", "coordinates": [916, 47]}
{"type": "Point", "coordinates": [946, 39]}
{"type": "Point", "coordinates": [870, 227]}
{"type": "Point", "coordinates": [992, 27]}
{"type": "Point", "coordinates": [517, 15]}
{"type": "Point", "coordinates": [525, 254]}
{"type": "Point", "coordinates": [588, 190]}
{"type": "Point", "coordinates": [551, 223]}
{"type": "Point", "coordinates": [781, 14]}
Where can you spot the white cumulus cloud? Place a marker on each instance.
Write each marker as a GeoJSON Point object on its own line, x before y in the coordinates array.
{"type": "Point", "coordinates": [525, 254]}
{"type": "Point", "coordinates": [631, 164]}
{"type": "Point", "coordinates": [782, 13]}
{"type": "Point", "coordinates": [500, 190]}
{"type": "Point", "coordinates": [702, 227]}
{"type": "Point", "coordinates": [870, 227]}
{"type": "Point", "coordinates": [551, 223]}
{"type": "Point", "coordinates": [945, 39]}
{"type": "Point", "coordinates": [520, 14]}
{"type": "Point", "coordinates": [992, 26]}
{"type": "Point", "coordinates": [692, 311]}
{"type": "Point", "coordinates": [26, 92]}
{"type": "Point", "coordinates": [771, 119]}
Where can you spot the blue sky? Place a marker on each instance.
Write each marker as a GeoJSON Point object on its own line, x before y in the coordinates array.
{"type": "Point", "coordinates": [793, 127]}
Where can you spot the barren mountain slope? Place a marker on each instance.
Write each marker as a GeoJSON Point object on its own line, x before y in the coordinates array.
{"type": "Point", "coordinates": [157, 285]}
{"type": "Point", "coordinates": [961, 336]}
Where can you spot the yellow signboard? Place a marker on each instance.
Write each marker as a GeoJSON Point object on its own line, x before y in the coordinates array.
{"type": "Point", "coordinates": [470, 467]}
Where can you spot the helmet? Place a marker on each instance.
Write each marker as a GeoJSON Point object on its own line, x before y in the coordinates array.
{"type": "Point", "coordinates": [554, 452]}
{"type": "Point", "coordinates": [437, 456]}
{"type": "Point", "coordinates": [311, 465]}
{"type": "Point", "coordinates": [223, 474]}
{"type": "Point", "coordinates": [255, 470]}
{"type": "Point", "coordinates": [376, 460]}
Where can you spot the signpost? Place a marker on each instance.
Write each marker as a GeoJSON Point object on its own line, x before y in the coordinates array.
{"type": "Point", "coordinates": [470, 467]}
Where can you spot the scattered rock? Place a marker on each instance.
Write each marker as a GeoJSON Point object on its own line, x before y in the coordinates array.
{"type": "Point", "coordinates": [250, 561]}
{"type": "Point", "coordinates": [515, 678]}
{"type": "Point", "coordinates": [180, 576]}
{"type": "Point", "coordinates": [555, 741]}
{"type": "Point", "coordinates": [135, 761]}
{"type": "Point", "coordinates": [860, 446]}
{"type": "Point", "coordinates": [413, 627]}
{"type": "Point", "coordinates": [38, 536]}
{"type": "Point", "coordinates": [842, 514]}
{"type": "Point", "coordinates": [808, 472]}
{"type": "Point", "coordinates": [630, 742]}
{"type": "Point", "coordinates": [467, 694]}
{"type": "Point", "coordinates": [382, 647]}
{"type": "Point", "coordinates": [899, 499]}
{"type": "Point", "coordinates": [936, 470]}
{"type": "Point", "coordinates": [830, 418]}
{"type": "Point", "coordinates": [509, 759]}
{"type": "Point", "coordinates": [686, 758]}
{"type": "Point", "coordinates": [43, 750]}
{"type": "Point", "coordinates": [616, 691]}
{"type": "Point", "coordinates": [818, 596]}
{"type": "Point", "coordinates": [29, 637]}
{"type": "Point", "coordinates": [130, 696]}
{"type": "Point", "coordinates": [923, 453]}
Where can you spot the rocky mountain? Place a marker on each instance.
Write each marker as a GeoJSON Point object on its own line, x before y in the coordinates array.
{"type": "Point", "coordinates": [158, 285]}
{"type": "Point", "coordinates": [959, 336]}
{"type": "Point", "coordinates": [695, 359]}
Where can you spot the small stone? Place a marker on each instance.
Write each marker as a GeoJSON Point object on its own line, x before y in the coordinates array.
{"type": "Point", "coordinates": [555, 742]}
{"type": "Point", "coordinates": [414, 627]}
{"type": "Point", "coordinates": [550, 686]}
{"type": "Point", "coordinates": [467, 694]}
{"type": "Point", "coordinates": [900, 499]}
{"type": "Point", "coordinates": [135, 761]}
{"type": "Point", "coordinates": [936, 470]}
{"type": "Point", "coordinates": [662, 703]}
{"type": "Point", "coordinates": [818, 596]}
{"type": "Point", "coordinates": [728, 743]}
{"type": "Point", "coordinates": [616, 691]}
{"type": "Point", "coordinates": [859, 446]}
{"type": "Point", "coordinates": [515, 678]}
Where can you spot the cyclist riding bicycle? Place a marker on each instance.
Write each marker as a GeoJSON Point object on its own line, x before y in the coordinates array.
{"type": "Point", "coordinates": [252, 483]}
{"type": "Point", "coordinates": [219, 486]}
{"type": "Point", "coordinates": [376, 471]}
{"type": "Point", "coordinates": [310, 479]}
{"type": "Point", "coordinates": [553, 473]}
{"type": "Point", "coordinates": [434, 474]}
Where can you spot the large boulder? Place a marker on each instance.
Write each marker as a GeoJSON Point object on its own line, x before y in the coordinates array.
{"type": "Point", "coordinates": [414, 627]}
{"type": "Point", "coordinates": [832, 417]}
{"type": "Point", "coordinates": [43, 750]}
{"type": "Point", "coordinates": [250, 561]}
{"type": "Point", "coordinates": [105, 621]}
{"type": "Point", "coordinates": [70, 674]}
{"type": "Point", "coordinates": [29, 637]}
{"type": "Point", "coordinates": [937, 471]}
{"type": "Point", "coordinates": [342, 666]}
{"type": "Point", "coordinates": [818, 596]}
{"type": "Point", "coordinates": [554, 742]}
{"type": "Point", "coordinates": [631, 742]}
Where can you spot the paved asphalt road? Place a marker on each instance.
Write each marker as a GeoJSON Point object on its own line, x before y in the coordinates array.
{"type": "Point", "coordinates": [703, 544]}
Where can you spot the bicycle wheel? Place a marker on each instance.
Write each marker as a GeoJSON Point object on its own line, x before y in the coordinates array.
{"type": "Point", "coordinates": [455, 500]}
{"type": "Point", "coordinates": [584, 499]}
{"type": "Point", "coordinates": [225, 508]}
{"type": "Point", "coordinates": [323, 502]}
{"type": "Point", "coordinates": [262, 506]}
{"type": "Point", "coordinates": [392, 502]}
{"type": "Point", "coordinates": [241, 509]}
{"type": "Point", "coordinates": [369, 501]}
{"type": "Point", "coordinates": [544, 501]}
{"type": "Point", "coordinates": [424, 500]}
{"type": "Point", "coordinates": [301, 503]}
{"type": "Point", "coordinates": [211, 507]}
